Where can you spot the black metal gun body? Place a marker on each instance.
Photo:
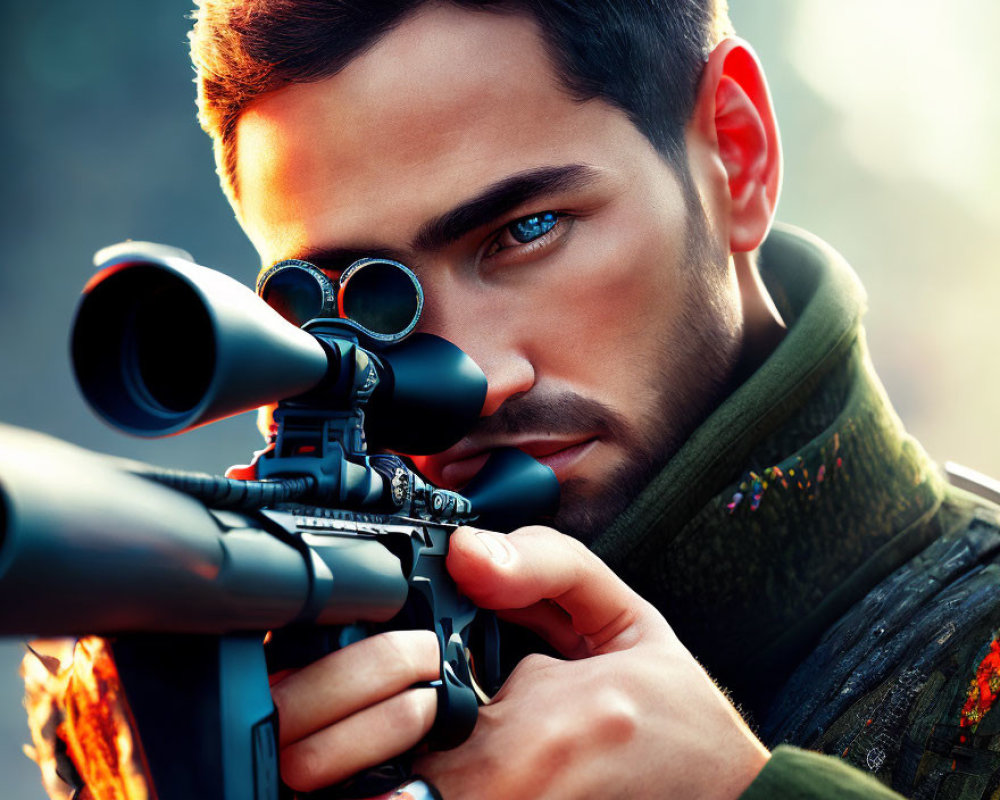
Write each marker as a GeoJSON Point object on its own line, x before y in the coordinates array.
{"type": "Point", "coordinates": [187, 593]}
{"type": "Point", "coordinates": [326, 537]}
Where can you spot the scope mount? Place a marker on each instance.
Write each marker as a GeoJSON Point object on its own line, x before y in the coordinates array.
{"type": "Point", "coordinates": [321, 434]}
{"type": "Point", "coordinates": [342, 381]}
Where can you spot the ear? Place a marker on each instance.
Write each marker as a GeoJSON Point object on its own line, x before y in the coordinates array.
{"type": "Point", "coordinates": [734, 115]}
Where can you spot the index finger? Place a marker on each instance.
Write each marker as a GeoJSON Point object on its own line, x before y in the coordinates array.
{"type": "Point", "coordinates": [532, 564]}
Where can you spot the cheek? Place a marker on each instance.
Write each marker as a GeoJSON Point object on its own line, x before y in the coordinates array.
{"type": "Point", "coordinates": [620, 287]}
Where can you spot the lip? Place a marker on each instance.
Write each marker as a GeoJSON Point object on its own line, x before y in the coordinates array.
{"type": "Point", "coordinates": [559, 455]}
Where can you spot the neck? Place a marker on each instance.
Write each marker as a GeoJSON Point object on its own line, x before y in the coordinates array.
{"type": "Point", "coordinates": [763, 327]}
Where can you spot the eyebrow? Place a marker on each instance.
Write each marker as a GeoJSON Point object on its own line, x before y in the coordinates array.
{"type": "Point", "coordinates": [498, 199]}
{"type": "Point", "coordinates": [491, 203]}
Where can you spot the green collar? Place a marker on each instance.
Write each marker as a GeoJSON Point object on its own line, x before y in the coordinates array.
{"type": "Point", "coordinates": [797, 495]}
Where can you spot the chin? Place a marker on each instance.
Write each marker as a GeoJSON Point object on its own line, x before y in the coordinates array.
{"type": "Point", "coordinates": [581, 514]}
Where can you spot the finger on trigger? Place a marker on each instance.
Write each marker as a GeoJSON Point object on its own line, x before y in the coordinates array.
{"type": "Point", "coordinates": [539, 563]}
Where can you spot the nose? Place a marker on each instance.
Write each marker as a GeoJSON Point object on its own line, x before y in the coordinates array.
{"type": "Point", "coordinates": [486, 330]}
{"type": "Point", "coordinates": [507, 374]}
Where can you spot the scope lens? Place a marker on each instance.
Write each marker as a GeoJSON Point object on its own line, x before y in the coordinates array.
{"type": "Point", "coordinates": [143, 347]}
{"type": "Point", "coordinates": [381, 296]}
{"type": "Point", "coordinates": [297, 290]}
{"type": "Point", "coordinates": [167, 350]}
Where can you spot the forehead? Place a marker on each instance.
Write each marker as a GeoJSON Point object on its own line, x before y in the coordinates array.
{"type": "Point", "coordinates": [446, 103]}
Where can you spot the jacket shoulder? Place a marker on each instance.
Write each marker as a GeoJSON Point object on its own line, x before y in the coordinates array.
{"type": "Point", "coordinates": [905, 686]}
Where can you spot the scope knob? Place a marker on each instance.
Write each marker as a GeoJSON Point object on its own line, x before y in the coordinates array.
{"type": "Point", "coordinates": [512, 489]}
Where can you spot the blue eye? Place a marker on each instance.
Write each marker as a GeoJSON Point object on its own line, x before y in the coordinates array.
{"type": "Point", "coordinates": [527, 229]}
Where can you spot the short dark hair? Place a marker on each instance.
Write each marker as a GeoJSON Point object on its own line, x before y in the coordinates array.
{"type": "Point", "coordinates": [642, 56]}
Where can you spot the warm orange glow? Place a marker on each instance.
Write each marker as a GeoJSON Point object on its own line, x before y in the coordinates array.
{"type": "Point", "coordinates": [248, 472]}
{"type": "Point", "coordinates": [265, 421]}
{"type": "Point", "coordinates": [76, 710]}
{"type": "Point", "coordinates": [104, 274]}
{"type": "Point", "coordinates": [45, 684]}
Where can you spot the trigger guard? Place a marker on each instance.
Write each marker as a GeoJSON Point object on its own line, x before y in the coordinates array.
{"type": "Point", "coordinates": [457, 703]}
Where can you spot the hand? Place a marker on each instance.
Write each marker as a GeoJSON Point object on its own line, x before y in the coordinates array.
{"type": "Point", "coordinates": [631, 714]}
{"type": "Point", "coordinates": [354, 708]}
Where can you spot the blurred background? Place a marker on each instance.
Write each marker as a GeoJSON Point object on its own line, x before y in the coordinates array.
{"type": "Point", "coordinates": [888, 116]}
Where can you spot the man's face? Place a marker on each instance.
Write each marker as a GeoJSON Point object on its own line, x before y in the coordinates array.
{"type": "Point", "coordinates": [554, 244]}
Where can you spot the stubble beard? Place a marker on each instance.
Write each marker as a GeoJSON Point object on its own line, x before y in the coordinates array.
{"type": "Point", "coordinates": [690, 382]}
{"type": "Point", "coordinates": [691, 370]}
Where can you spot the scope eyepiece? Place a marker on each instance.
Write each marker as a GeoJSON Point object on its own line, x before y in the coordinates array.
{"type": "Point", "coordinates": [380, 297]}
{"type": "Point", "coordinates": [298, 290]}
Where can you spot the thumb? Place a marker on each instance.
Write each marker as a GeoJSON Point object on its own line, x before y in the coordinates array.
{"type": "Point", "coordinates": [536, 564]}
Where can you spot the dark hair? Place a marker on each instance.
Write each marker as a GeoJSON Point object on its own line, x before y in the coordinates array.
{"type": "Point", "coordinates": [642, 56]}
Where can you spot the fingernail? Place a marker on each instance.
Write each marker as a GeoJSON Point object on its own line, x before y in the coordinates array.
{"type": "Point", "coordinates": [496, 549]}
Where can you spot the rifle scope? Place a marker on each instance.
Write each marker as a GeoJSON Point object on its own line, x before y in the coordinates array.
{"type": "Point", "coordinates": [161, 345]}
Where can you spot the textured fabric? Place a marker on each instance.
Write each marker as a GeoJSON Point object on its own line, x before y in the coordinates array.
{"type": "Point", "coordinates": [810, 555]}
{"type": "Point", "coordinates": [903, 686]}
{"type": "Point", "coordinates": [798, 775]}
{"type": "Point", "coordinates": [750, 588]}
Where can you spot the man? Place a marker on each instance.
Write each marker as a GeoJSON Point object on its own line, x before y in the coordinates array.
{"type": "Point", "coordinates": [582, 189]}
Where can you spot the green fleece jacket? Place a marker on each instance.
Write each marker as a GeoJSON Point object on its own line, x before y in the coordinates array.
{"type": "Point", "coordinates": [815, 561]}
